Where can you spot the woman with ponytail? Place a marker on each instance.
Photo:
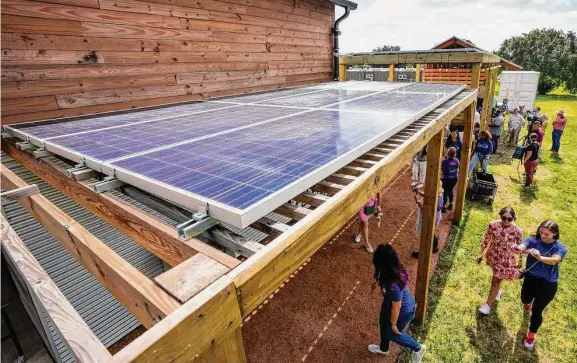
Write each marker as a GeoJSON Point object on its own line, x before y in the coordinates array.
{"type": "Point", "coordinates": [398, 307]}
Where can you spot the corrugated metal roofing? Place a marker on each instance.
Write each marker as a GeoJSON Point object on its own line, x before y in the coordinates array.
{"type": "Point", "coordinates": [107, 318]}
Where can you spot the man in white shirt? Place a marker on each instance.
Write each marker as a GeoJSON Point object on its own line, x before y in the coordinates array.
{"type": "Point", "coordinates": [516, 123]}
{"type": "Point", "coordinates": [477, 116]}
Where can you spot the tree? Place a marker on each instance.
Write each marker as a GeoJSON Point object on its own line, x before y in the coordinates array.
{"type": "Point", "coordinates": [571, 82]}
{"type": "Point", "coordinates": [572, 41]}
{"type": "Point", "coordinates": [544, 50]}
{"type": "Point", "coordinates": [387, 48]}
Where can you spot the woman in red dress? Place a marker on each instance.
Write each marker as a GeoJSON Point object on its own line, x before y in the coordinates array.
{"type": "Point", "coordinates": [502, 238]}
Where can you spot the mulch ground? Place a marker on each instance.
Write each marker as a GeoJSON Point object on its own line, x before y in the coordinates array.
{"type": "Point", "coordinates": [328, 312]}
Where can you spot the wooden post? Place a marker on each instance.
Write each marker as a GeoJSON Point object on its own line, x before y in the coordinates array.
{"type": "Point", "coordinates": [475, 76]}
{"type": "Point", "coordinates": [494, 74]}
{"type": "Point", "coordinates": [418, 73]}
{"type": "Point", "coordinates": [342, 72]}
{"type": "Point", "coordinates": [432, 183]}
{"type": "Point", "coordinates": [462, 183]}
{"type": "Point", "coordinates": [486, 106]}
{"type": "Point", "coordinates": [391, 72]}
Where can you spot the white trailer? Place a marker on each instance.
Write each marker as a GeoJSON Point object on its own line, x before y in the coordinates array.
{"type": "Point", "coordinates": [520, 88]}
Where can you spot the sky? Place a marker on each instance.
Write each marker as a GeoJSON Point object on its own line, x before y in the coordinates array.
{"type": "Point", "coordinates": [421, 24]}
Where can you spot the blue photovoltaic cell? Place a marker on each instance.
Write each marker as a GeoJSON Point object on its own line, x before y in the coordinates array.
{"type": "Point", "coordinates": [259, 97]}
{"type": "Point", "coordinates": [50, 130]}
{"type": "Point", "coordinates": [115, 143]}
{"type": "Point", "coordinates": [431, 88]}
{"type": "Point", "coordinates": [242, 167]}
{"type": "Point", "coordinates": [391, 102]}
{"type": "Point", "coordinates": [318, 99]}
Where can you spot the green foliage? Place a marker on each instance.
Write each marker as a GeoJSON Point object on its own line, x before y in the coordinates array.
{"type": "Point", "coordinates": [387, 48]}
{"type": "Point", "coordinates": [571, 83]}
{"type": "Point", "coordinates": [544, 50]}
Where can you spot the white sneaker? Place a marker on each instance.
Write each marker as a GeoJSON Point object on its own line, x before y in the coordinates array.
{"type": "Point", "coordinates": [358, 238]}
{"type": "Point", "coordinates": [418, 356]}
{"type": "Point", "coordinates": [375, 348]}
{"type": "Point", "coordinates": [485, 309]}
{"type": "Point", "coordinates": [498, 298]}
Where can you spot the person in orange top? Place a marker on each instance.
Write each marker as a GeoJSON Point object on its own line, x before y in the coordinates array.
{"type": "Point", "coordinates": [502, 238]}
{"type": "Point", "coordinates": [558, 128]}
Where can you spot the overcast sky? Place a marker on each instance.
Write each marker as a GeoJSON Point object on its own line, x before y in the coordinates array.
{"type": "Point", "coordinates": [421, 24]}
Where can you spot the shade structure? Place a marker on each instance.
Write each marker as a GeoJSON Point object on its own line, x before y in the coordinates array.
{"type": "Point", "coordinates": [241, 157]}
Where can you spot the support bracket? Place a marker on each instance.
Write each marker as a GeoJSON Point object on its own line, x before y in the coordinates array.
{"type": "Point", "coordinates": [80, 172]}
{"type": "Point", "coordinates": [41, 153]}
{"type": "Point", "coordinates": [23, 146]}
{"type": "Point", "coordinates": [199, 223]}
{"type": "Point", "coordinates": [107, 184]}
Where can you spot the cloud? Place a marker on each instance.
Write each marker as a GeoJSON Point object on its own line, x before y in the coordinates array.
{"type": "Point", "coordinates": [421, 24]}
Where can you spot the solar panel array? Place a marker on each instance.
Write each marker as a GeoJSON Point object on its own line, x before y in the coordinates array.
{"type": "Point", "coordinates": [241, 156]}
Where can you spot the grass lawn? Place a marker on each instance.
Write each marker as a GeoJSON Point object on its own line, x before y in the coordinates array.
{"type": "Point", "coordinates": [454, 331]}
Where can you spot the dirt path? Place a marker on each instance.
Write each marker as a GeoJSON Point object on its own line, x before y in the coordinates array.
{"type": "Point", "coordinates": [328, 312]}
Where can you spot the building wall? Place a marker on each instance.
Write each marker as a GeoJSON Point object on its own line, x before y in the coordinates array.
{"type": "Point", "coordinates": [65, 58]}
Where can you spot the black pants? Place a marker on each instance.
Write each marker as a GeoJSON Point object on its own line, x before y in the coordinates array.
{"type": "Point", "coordinates": [448, 186]}
{"type": "Point", "coordinates": [540, 292]}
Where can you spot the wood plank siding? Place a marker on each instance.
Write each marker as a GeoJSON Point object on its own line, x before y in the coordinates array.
{"type": "Point", "coordinates": [63, 58]}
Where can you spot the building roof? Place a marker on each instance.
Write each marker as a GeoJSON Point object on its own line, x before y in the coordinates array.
{"type": "Point", "coordinates": [344, 3]}
{"type": "Point", "coordinates": [457, 43]}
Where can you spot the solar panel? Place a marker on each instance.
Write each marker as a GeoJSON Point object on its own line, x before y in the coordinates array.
{"type": "Point", "coordinates": [244, 156]}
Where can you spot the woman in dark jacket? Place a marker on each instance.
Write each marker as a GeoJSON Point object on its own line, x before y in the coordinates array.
{"type": "Point", "coordinates": [531, 159]}
{"type": "Point", "coordinates": [398, 307]}
{"type": "Point", "coordinates": [482, 152]}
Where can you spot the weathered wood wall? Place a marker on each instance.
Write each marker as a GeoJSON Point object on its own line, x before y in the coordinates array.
{"type": "Point", "coordinates": [70, 57]}
{"type": "Point", "coordinates": [451, 75]}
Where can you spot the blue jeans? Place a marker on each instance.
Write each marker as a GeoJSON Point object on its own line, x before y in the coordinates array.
{"type": "Point", "coordinates": [495, 139]}
{"type": "Point", "coordinates": [476, 159]}
{"type": "Point", "coordinates": [387, 334]}
{"type": "Point", "coordinates": [557, 140]}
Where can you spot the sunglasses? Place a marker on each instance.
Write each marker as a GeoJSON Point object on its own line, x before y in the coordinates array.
{"type": "Point", "coordinates": [507, 219]}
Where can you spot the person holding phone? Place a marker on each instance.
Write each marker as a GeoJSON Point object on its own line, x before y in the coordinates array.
{"type": "Point", "coordinates": [370, 209]}
{"type": "Point", "coordinates": [541, 274]}
{"type": "Point", "coordinates": [398, 306]}
{"type": "Point", "coordinates": [501, 241]}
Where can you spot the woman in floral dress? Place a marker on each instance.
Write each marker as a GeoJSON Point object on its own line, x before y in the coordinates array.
{"type": "Point", "coordinates": [502, 238]}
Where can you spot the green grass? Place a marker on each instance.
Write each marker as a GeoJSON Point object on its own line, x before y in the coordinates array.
{"type": "Point", "coordinates": [453, 329]}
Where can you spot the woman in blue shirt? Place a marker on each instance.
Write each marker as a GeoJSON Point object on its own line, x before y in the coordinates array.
{"type": "Point", "coordinates": [482, 152]}
{"type": "Point", "coordinates": [454, 141]}
{"type": "Point", "coordinates": [541, 274]}
{"type": "Point", "coordinates": [398, 307]}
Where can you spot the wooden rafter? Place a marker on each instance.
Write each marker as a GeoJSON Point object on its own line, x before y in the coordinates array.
{"type": "Point", "coordinates": [146, 301]}
{"type": "Point", "coordinates": [84, 345]}
{"type": "Point", "coordinates": [155, 236]}
{"type": "Point", "coordinates": [421, 58]}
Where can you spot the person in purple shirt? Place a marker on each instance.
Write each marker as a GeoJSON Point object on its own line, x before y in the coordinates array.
{"type": "Point", "coordinates": [398, 307]}
{"type": "Point", "coordinates": [541, 274]}
{"type": "Point", "coordinates": [449, 176]}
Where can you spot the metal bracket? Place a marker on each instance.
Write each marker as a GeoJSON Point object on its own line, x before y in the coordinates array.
{"type": "Point", "coordinates": [107, 184]}
{"type": "Point", "coordinates": [41, 153]}
{"type": "Point", "coordinates": [6, 135]}
{"type": "Point", "coordinates": [199, 223]}
{"type": "Point", "coordinates": [80, 172]}
{"type": "Point", "coordinates": [23, 146]}
{"type": "Point", "coordinates": [14, 195]}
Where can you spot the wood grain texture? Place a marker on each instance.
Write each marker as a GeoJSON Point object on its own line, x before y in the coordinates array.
{"type": "Point", "coordinates": [146, 301]}
{"type": "Point", "coordinates": [136, 42]}
{"type": "Point", "coordinates": [198, 326]}
{"type": "Point", "coordinates": [84, 345]}
{"type": "Point", "coordinates": [463, 181]}
{"type": "Point", "coordinates": [429, 215]}
{"type": "Point", "coordinates": [260, 275]}
{"type": "Point", "coordinates": [155, 236]}
{"type": "Point", "coordinates": [190, 277]}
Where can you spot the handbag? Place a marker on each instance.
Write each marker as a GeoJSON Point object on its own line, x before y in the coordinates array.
{"type": "Point", "coordinates": [370, 210]}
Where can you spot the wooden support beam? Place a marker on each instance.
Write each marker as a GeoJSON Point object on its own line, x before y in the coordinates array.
{"type": "Point", "coordinates": [190, 277]}
{"type": "Point", "coordinates": [259, 276]}
{"type": "Point", "coordinates": [391, 72]}
{"type": "Point", "coordinates": [352, 170]}
{"type": "Point", "coordinates": [292, 211]}
{"type": "Point", "coordinates": [432, 184]}
{"type": "Point", "coordinates": [475, 75]}
{"type": "Point", "coordinates": [363, 163]}
{"type": "Point", "coordinates": [373, 156]}
{"type": "Point", "coordinates": [327, 187]}
{"type": "Point", "coordinates": [418, 73]}
{"type": "Point", "coordinates": [76, 334]}
{"type": "Point", "coordinates": [341, 179]}
{"type": "Point", "coordinates": [206, 325]}
{"type": "Point", "coordinates": [421, 58]}
{"type": "Point", "coordinates": [342, 72]}
{"type": "Point", "coordinates": [155, 236]}
{"type": "Point", "coordinates": [463, 180]}
{"type": "Point", "coordinates": [311, 199]}
{"type": "Point", "coordinates": [146, 301]}
{"type": "Point", "coordinates": [15, 194]}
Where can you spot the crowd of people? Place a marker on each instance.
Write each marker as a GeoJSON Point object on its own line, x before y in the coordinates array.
{"type": "Point", "coordinates": [503, 246]}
